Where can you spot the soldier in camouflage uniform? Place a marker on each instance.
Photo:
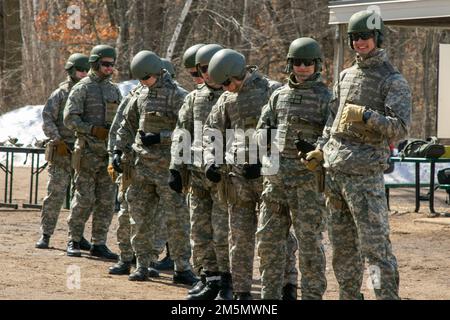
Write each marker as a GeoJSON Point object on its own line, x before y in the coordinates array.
{"type": "Point", "coordinates": [161, 235]}
{"type": "Point", "coordinates": [59, 149]}
{"type": "Point", "coordinates": [298, 111]}
{"type": "Point", "coordinates": [115, 170]}
{"type": "Point", "coordinates": [209, 217]}
{"type": "Point", "coordinates": [89, 112]}
{"type": "Point", "coordinates": [371, 107]}
{"type": "Point", "coordinates": [238, 108]}
{"type": "Point", "coordinates": [147, 126]}
{"type": "Point", "coordinates": [189, 63]}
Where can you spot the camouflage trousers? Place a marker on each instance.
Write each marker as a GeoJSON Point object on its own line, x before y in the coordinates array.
{"type": "Point", "coordinates": [209, 225]}
{"type": "Point", "coordinates": [124, 231]}
{"type": "Point", "coordinates": [291, 199]}
{"type": "Point", "coordinates": [149, 187]}
{"type": "Point", "coordinates": [93, 193]}
{"type": "Point", "coordinates": [161, 234]}
{"type": "Point", "coordinates": [359, 230]}
{"type": "Point", "coordinates": [59, 177]}
{"type": "Point", "coordinates": [243, 197]}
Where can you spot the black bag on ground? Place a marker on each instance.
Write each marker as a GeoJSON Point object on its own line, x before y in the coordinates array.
{"type": "Point", "coordinates": [444, 176]}
{"type": "Point", "coordinates": [416, 148]}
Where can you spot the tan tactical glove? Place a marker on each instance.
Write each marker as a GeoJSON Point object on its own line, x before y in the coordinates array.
{"type": "Point", "coordinates": [352, 113]}
{"type": "Point", "coordinates": [62, 149]}
{"type": "Point", "coordinates": [313, 159]}
{"type": "Point", "coordinates": [100, 132]}
{"type": "Point", "coordinates": [112, 173]}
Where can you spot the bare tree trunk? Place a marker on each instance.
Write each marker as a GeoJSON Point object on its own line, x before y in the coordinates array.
{"type": "Point", "coordinates": [123, 14]}
{"type": "Point", "coordinates": [430, 80]}
{"type": "Point", "coordinates": [154, 13]}
{"type": "Point", "coordinates": [176, 34]}
{"type": "Point", "coordinates": [137, 25]}
{"type": "Point", "coordinates": [281, 23]}
{"type": "Point", "coordinates": [11, 56]}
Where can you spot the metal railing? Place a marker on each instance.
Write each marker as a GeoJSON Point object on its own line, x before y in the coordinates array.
{"type": "Point", "coordinates": [8, 169]}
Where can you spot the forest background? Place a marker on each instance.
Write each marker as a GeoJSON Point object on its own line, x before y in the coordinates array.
{"type": "Point", "coordinates": [37, 36]}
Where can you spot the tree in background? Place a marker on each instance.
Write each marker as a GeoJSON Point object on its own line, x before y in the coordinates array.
{"type": "Point", "coordinates": [43, 32]}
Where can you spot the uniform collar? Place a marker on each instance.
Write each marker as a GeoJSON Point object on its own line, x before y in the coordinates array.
{"type": "Point", "coordinates": [309, 83]}
{"type": "Point", "coordinates": [374, 59]}
{"type": "Point", "coordinates": [252, 75]}
{"type": "Point", "coordinates": [93, 75]}
{"type": "Point", "coordinates": [162, 79]}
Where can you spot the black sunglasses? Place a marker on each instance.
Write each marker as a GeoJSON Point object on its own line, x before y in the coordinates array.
{"type": "Point", "coordinates": [147, 77]}
{"type": "Point", "coordinates": [195, 74]}
{"type": "Point", "coordinates": [226, 82]}
{"type": "Point", "coordinates": [203, 69]}
{"type": "Point", "coordinates": [305, 62]}
{"type": "Point", "coordinates": [106, 64]}
{"type": "Point", "coordinates": [81, 69]}
{"type": "Point", "coordinates": [361, 35]}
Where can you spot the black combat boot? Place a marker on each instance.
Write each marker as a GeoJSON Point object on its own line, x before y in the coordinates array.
{"type": "Point", "coordinates": [84, 244]}
{"type": "Point", "coordinates": [153, 273]}
{"type": "Point", "coordinates": [165, 263]}
{"type": "Point", "coordinates": [184, 277]}
{"type": "Point", "coordinates": [102, 251]}
{"type": "Point", "coordinates": [43, 242]}
{"type": "Point", "coordinates": [243, 296]}
{"type": "Point", "coordinates": [120, 268]}
{"type": "Point", "coordinates": [210, 290]}
{"type": "Point", "coordinates": [226, 287]}
{"type": "Point", "coordinates": [140, 274]}
{"type": "Point", "coordinates": [73, 249]}
{"type": "Point", "coordinates": [289, 292]}
{"type": "Point", "coordinates": [199, 285]}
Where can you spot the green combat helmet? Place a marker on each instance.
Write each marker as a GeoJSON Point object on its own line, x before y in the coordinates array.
{"type": "Point", "coordinates": [304, 48]}
{"type": "Point", "coordinates": [76, 61]}
{"type": "Point", "coordinates": [366, 21]}
{"type": "Point", "coordinates": [189, 56]}
{"type": "Point", "coordinates": [205, 53]}
{"type": "Point", "coordinates": [145, 63]}
{"type": "Point", "coordinates": [169, 67]}
{"type": "Point", "coordinates": [101, 51]}
{"type": "Point", "coordinates": [225, 64]}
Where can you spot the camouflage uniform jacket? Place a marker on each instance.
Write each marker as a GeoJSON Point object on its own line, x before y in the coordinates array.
{"type": "Point", "coordinates": [296, 110]}
{"type": "Point", "coordinates": [155, 110]}
{"type": "Point", "coordinates": [93, 101]}
{"type": "Point", "coordinates": [238, 111]}
{"type": "Point", "coordinates": [130, 98]}
{"type": "Point", "coordinates": [191, 117]}
{"type": "Point", "coordinates": [53, 112]}
{"type": "Point", "coordinates": [363, 148]}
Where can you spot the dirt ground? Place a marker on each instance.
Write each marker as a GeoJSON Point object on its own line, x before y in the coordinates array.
{"type": "Point", "coordinates": [422, 250]}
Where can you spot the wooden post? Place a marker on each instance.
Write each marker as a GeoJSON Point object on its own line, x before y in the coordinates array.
{"type": "Point", "coordinates": [338, 51]}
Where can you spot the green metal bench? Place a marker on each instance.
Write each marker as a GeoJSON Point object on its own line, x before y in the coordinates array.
{"type": "Point", "coordinates": [446, 187]}
{"type": "Point", "coordinates": [388, 186]}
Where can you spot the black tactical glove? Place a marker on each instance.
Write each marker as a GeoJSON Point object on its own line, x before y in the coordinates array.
{"type": "Point", "coordinates": [304, 147]}
{"type": "Point", "coordinates": [251, 171]}
{"type": "Point", "coordinates": [212, 173]}
{"type": "Point", "coordinates": [174, 181]}
{"type": "Point", "coordinates": [150, 138]}
{"type": "Point", "coordinates": [117, 162]}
